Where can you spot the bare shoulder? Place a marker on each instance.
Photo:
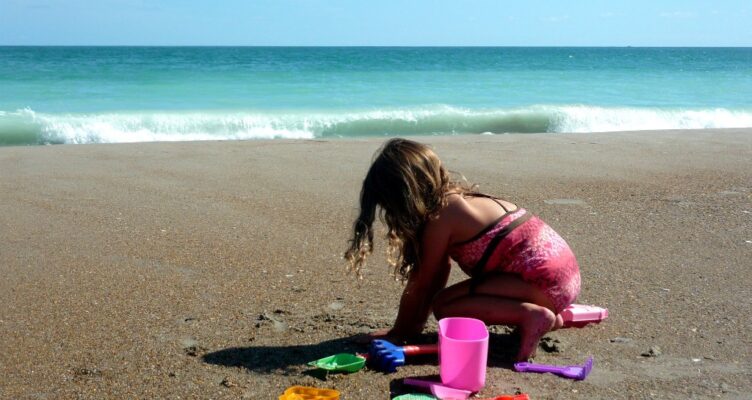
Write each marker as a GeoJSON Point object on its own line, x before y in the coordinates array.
{"type": "Point", "coordinates": [456, 210]}
{"type": "Point", "coordinates": [457, 206]}
{"type": "Point", "coordinates": [454, 220]}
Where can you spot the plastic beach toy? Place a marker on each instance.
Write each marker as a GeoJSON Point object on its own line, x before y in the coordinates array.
{"type": "Point", "coordinates": [577, 372]}
{"type": "Point", "coordinates": [578, 315]}
{"type": "Point", "coordinates": [342, 362]}
{"type": "Point", "coordinates": [439, 390]}
{"type": "Point", "coordinates": [309, 393]}
{"type": "Point", "coordinates": [385, 356]}
{"type": "Point", "coordinates": [463, 353]}
{"type": "Point", "coordinates": [521, 396]}
{"type": "Point", "coordinates": [414, 396]}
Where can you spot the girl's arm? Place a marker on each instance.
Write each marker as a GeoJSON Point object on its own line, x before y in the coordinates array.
{"type": "Point", "coordinates": [424, 282]}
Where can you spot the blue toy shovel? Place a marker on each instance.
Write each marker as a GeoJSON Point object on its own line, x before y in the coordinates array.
{"type": "Point", "coordinates": [385, 356]}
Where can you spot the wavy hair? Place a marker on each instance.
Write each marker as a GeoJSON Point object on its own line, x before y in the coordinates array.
{"type": "Point", "coordinates": [408, 185]}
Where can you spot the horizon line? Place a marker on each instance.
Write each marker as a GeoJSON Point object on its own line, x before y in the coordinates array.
{"type": "Point", "coordinates": [373, 46]}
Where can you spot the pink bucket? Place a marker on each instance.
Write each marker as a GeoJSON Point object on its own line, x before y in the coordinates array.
{"type": "Point", "coordinates": [463, 353]}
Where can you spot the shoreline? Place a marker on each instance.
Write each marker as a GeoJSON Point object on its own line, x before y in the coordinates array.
{"type": "Point", "coordinates": [213, 269]}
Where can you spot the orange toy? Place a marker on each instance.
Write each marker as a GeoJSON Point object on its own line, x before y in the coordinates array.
{"type": "Point", "coordinates": [309, 393]}
{"type": "Point", "coordinates": [521, 396]}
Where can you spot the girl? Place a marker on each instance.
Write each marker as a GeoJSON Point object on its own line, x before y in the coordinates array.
{"type": "Point", "coordinates": [521, 272]}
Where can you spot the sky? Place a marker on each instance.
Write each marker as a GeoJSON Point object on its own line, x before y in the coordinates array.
{"type": "Point", "coordinates": [376, 22]}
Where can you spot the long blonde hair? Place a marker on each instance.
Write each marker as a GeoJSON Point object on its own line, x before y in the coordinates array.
{"type": "Point", "coordinates": [409, 185]}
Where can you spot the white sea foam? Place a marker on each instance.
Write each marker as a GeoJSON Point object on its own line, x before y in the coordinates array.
{"type": "Point", "coordinates": [599, 119]}
{"type": "Point", "coordinates": [29, 127]}
{"type": "Point", "coordinates": [149, 127]}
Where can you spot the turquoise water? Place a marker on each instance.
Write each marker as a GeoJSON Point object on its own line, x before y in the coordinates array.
{"type": "Point", "coordinates": [128, 94]}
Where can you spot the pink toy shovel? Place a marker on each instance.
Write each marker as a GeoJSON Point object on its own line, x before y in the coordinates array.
{"type": "Point", "coordinates": [577, 372]}
{"type": "Point", "coordinates": [578, 315]}
{"type": "Point", "coordinates": [439, 390]}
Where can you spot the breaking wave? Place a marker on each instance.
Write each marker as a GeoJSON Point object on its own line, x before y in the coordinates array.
{"type": "Point", "coordinates": [27, 127]}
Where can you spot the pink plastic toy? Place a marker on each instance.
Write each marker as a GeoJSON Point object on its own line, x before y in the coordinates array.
{"type": "Point", "coordinates": [578, 315]}
{"type": "Point", "coordinates": [439, 390]}
{"type": "Point", "coordinates": [463, 353]}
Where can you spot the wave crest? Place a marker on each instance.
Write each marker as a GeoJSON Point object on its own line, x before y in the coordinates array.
{"type": "Point", "coordinates": [29, 127]}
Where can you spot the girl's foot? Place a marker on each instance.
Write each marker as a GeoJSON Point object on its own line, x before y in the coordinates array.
{"type": "Point", "coordinates": [538, 321]}
{"type": "Point", "coordinates": [559, 322]}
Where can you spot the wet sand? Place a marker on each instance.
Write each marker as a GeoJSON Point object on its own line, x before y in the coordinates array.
{"type": "Point", "coordinates": [214, 270]}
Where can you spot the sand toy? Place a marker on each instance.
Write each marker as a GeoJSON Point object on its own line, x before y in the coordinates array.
{"type": "Point", "coordinates": [463, 355]}
{"type": "Point", "coordinates": [414, 396]}
{"type": "Point", "coordinates": [386, 356]}
{"type": "Point", "coordinates": [577, 372]}
{"type": "Point", "coordinates": [439, 390]}
{"type": "Point", "coordinates": [342, 362]}
{"type": "Point", "coordinates": [578, 315]}
{"type": "Point", "coordinates": [309, 393]}
{"type": "Point", "coordinates": [521, 396]}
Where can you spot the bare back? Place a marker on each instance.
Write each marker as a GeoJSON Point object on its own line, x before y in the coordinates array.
{"type": "Point", "coordinates": [466, 216]}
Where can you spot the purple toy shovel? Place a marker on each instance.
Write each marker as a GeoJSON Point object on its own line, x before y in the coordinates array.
{"type": "Point", "coordinates": [577, 372]}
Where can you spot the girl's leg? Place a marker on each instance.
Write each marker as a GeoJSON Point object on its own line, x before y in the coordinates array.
{"type": "Point", "coordinates": [501, 299]}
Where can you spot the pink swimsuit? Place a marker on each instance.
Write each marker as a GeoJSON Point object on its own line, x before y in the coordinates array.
{"type": "Point", "coordinates": [522, 244]}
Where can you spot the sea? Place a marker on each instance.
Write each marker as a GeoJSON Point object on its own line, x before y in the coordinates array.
{"type": "Point", "coordinates": [80, 95]}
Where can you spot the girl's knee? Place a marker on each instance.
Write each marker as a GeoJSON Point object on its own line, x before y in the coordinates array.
{"type": "Point", "coordinates": [538, 312]}
{"type": "Point", "coordinates": [444, 303]}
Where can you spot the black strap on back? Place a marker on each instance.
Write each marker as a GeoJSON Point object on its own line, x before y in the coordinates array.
{"type": "Point", "coordinates": [477, 272]}
{"type": "Point", "coordinates": [496, 200]}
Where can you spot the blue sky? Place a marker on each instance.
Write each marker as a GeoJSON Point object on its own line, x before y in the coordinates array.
{"type": "Point", "coordinates": [377, 22]}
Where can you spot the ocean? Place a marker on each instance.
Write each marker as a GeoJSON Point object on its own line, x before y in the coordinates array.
{"type": "Point", "coordinates": [78, 95]}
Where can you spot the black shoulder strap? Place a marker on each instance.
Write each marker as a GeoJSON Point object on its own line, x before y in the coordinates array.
{"type": "Point", "coordinates": [496, 200]}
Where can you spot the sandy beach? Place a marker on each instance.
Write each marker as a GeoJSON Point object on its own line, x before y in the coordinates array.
{"type": "Point", "coordinates": [197, 270]}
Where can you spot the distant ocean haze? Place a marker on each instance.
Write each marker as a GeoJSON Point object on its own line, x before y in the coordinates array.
{"type": "Point", "coordinates": [140, 94]}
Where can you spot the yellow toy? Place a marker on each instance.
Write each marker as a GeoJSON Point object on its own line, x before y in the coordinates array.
{"type": "Point", "coordinates": [309, 393]}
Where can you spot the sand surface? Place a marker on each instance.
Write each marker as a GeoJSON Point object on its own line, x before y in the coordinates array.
{"type": "Point", "coordinates": [214, 270]}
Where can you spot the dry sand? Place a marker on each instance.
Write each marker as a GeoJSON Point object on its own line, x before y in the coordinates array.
{"type": "Point", "coordinates": [214, 270]}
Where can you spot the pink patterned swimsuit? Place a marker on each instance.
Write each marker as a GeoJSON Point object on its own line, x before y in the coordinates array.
{"type": "Point", "coordinates": [520, 243]}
